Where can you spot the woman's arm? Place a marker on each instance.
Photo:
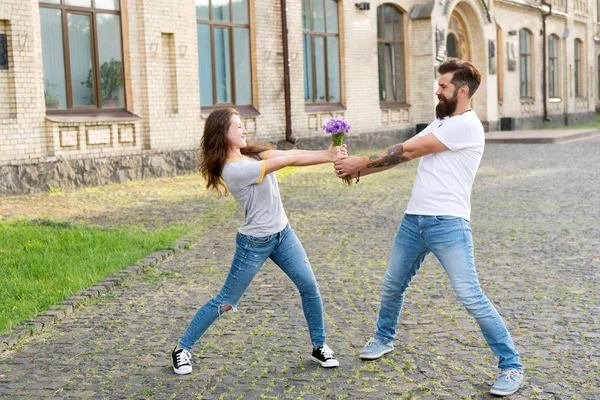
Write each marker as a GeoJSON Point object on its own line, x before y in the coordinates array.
{"type": "Point", "coordinates": [278, 159]}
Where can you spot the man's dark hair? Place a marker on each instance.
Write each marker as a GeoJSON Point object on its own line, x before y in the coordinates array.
{"type": "Point", "coordinates": [465, 73]}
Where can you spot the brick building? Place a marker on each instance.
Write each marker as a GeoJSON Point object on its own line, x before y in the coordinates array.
{"type": "Point", "coordinates": [99, 91]}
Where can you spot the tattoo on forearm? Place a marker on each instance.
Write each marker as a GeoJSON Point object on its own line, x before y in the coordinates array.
{"type": "Point", "coordinates": [392, 156]}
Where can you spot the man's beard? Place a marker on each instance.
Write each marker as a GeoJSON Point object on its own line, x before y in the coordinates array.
{"type": "Point", "coordinates": [446, 107]}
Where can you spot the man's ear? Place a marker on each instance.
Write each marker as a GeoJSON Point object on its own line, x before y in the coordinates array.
{"type": "Point", "coordinates": [465, 90]}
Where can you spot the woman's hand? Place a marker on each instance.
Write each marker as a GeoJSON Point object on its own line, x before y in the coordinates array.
{"type": "Point", "coordinates": [337, 152]}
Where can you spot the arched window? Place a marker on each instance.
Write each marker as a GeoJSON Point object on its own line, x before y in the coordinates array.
{"type": "Point", "coordinates": [224, 56]}
{"type": "Point", "coordinates": [578, 68]}
{"type": "Point", "coordinates": [322, 83]}
{"type": "Point", "coordinates": [391, 53]}
{"type": "Point", "coordinates": [82, 55]}
{"type": "Point", "coordinates": [457, 40]}
{"type": "Point", "coordinates": [525, 63]}
{"type": "Point", "coordinates": [553, 66]}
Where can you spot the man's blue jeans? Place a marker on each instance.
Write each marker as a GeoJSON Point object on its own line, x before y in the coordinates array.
{"type": "Point", "coordinates": [287, 252]}
{"type": "Point", "coordinates": [450, 240]}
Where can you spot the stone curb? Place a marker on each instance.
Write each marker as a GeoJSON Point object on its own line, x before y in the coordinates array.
{"type": "Point", "coordinates": [56, 313]}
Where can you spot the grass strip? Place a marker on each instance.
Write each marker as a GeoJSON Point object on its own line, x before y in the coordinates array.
{"type": "Point", "coordinates": [44, 263]}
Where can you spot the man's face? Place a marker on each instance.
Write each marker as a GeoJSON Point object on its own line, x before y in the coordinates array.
{"type": "Point", "coordinates": [447, 95]}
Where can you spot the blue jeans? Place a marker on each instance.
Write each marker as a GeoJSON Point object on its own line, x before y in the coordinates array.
{"type": "Point", "coordinates": [287, 252]}
{"type": "Point", "coordinates": [450, 240]}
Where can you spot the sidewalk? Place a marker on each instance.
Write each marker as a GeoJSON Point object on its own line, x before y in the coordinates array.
{"type": "Point", "coordinates": [535, 220]}
{"type": "Point", "coordinates": [539, 136]}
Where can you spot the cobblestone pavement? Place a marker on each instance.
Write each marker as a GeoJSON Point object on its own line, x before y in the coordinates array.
{"type": "Point", "coordinates": [536, 218]}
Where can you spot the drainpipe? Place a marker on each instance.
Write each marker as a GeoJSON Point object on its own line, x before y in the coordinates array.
{"type": "Point", "coordinates": [286, 75]}
{"type": "Point", "coordinates": [544, 63]}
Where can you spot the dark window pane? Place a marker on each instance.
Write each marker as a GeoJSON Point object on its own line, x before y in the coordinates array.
{"type": "Point", "coordinates": [80, 51]}
{"type": "Point", "coordinates": [205, 65]}
{"type": "Point", "coordinates": [381, 57]}
{"type": "Point", "coordinates": [111, 60]}
{"type": "Point", "coordinates": [321, 92]}
{"type": "Point", "coordinates": [107, 4]}
{"type": "Point", "coordinates": [243, 79]}
{"type": "Point", "coordinates": [240, 11]}
{"type": "Point", "coordinates": [222, 65]}
{"type": "Point", "coordinates": [50, 1]}
{"type": "Point", "coordinates": [388, 33]}
{"type": "Point", "coordinates": [220, 11]}
{"type": "Point", "coordinates": [389, 67]}
{"type": "Point", "coordinates": [452, 46]}
{"type": "Point", "coordinates": [55, 88]}
{"type": "Point", "coordinates": [399, 73]}
{"type": "Point", "coordinates": [306, 14]}
{"type": "Point", "coordinates": [379, 22]}
{"type": "Point", "coordinates": [333, 68]}
{"type": "Point", "coordinates": [318, 16]}
{"type": "Point", "coordinates": [307, 68]}
{"type": "Point", "coordinates": [202, 9]}
{"type": "Point", "coordinates": [398, 25]}
{"type": "Point", "coordinates": [79, 3]}
{"type": "Point", "coordinates": [332, 16]}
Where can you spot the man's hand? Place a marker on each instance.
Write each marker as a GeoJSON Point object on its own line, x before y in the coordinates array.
{"type": "Point", "coordinates": [349, 166]}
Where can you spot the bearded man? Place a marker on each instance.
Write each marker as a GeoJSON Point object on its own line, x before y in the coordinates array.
{"type": "Point", "coordinates": [437, 218]}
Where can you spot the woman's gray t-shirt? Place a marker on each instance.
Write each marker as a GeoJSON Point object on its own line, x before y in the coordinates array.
{"type": "Point", "coordinates": [257, 194]}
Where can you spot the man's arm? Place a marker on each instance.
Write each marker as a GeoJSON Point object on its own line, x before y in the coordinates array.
{"type": "Point", "coordinates": [414, 147]}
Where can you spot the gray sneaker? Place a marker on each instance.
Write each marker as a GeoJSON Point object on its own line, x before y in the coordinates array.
{"type": "Point", "coordinates": [375, 349]}
{"type": "Point", "coordinates": [508, 383]}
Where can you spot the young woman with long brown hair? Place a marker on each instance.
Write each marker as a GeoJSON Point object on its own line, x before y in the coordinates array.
{"type": "Point", "coordinates": [231, 164]}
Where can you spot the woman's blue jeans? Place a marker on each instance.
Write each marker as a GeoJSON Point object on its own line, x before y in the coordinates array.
{"type": "Point", "coordinates": [450, 240]}
{"type": "Point", "coordinates": [287, 252]}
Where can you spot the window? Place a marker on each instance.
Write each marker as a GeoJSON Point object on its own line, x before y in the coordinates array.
{"type": "Point", "coordinates": [82, 55]}
{"type": "Point", "coordinates": [553, 66]}
{"type": "Point", "coordinates": [224, 56]}
{"type": "Point", "coordinates": [322, 83]}
{"type": "Point", "coordinates": [390, 48]}
{"type": "Point", "coordinates": [525, 63]}
{"type": "Point", "coordinates": [578, 68]}
{"type": "Point", "coordinates": [457, 40]}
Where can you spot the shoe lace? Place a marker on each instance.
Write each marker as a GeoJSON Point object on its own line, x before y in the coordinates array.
{"type": "Point", "coordinates": [184, 357]}
{"type": "Point", "coordinates": [510, 373]}
{"type": "Point", "coordinates": [370, 342]}
{"type": "Point", "coordinates": [326, 351]}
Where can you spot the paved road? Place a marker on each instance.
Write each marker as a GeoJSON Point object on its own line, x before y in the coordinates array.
{"type": "Point", "coordinates": [536, 218]}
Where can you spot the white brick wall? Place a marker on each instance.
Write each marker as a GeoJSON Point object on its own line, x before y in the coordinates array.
{"type": "Point", "coordinates": [164, 82]}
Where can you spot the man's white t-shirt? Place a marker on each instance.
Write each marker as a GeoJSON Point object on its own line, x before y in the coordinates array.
{"type": "Point", "coordinates": [445, 180]}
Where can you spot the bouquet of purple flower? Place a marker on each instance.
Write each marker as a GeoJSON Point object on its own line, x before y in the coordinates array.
{"type": "Point", "coordinates": [337, 128]}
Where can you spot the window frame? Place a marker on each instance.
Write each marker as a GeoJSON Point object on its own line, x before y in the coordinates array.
{"type": "Point", "coordinates": [244, 109]}
{"type": "Point", "coordinates": [578, 72]}
{"type": "Point", "coordinates": [528, 58]}
{"type": "Point", "coordinates": [95, 57]}
{"type": "Point", "coordinates": [324, 105]}
{"type": "Point", "coordinates": [395, 102]}
{"type": "Point", "coordinates": [554, 80]}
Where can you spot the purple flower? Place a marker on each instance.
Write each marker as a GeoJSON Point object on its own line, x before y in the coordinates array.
{"type": "Point", "coordinates": [335, 126]}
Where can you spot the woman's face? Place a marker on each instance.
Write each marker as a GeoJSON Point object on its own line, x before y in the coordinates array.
{"type": "Point", "coordinates": [236, 135]}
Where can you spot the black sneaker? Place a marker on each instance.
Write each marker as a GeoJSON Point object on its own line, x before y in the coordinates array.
{"type": "Point", "coordinates": [182, 361]}
{"type": "Point", "coordinates": [324, 356]}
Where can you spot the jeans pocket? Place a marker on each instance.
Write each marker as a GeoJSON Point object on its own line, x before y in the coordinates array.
{"type": "Point", "coordinates": [255, 241]}
{"type": "Point", "coordinates": [446, 219]}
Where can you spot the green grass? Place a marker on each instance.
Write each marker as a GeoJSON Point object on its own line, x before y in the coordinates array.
{"type": "Point", "coordinates": [42, 264]}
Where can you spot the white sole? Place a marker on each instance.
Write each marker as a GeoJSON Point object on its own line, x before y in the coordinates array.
{"type": "Point", "coordinates": [500, 393]}
{"type": "Point", "coordinates": [375, 356]}
{"type": "Point", "coordinates": [326, 364]}
{"type": "Point", "coordinates": [182, 372]}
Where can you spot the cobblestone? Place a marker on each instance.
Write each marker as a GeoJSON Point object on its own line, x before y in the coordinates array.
{"type": "Point", "coordinates": [536, 218]}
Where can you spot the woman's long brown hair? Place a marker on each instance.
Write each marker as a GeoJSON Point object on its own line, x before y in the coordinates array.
{"type": "Point", "coordinates": [214, 149]}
